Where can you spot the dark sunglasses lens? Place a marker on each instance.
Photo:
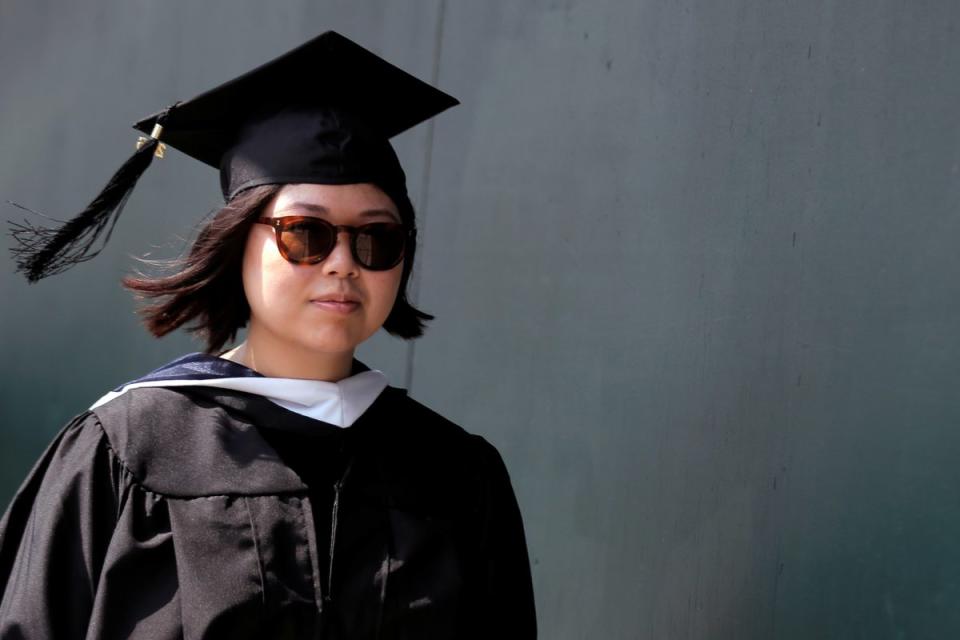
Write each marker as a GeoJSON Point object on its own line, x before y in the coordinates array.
{"type": "Point", "coordinates": [308, 240]}
{"type": "Point", "coordinates": [380, 246]}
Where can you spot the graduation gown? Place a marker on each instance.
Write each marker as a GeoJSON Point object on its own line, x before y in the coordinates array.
{"type": "Point", "coordinates": [198, 512]}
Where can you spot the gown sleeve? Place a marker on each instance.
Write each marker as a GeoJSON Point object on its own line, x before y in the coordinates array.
{"type": "Point", "coordinates": [507, 607]}
{"type": "Point", "coordinates": [55, 533]}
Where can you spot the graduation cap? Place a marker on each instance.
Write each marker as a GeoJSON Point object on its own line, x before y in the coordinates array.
{"type": "Point", "coordinates": [321, 113]}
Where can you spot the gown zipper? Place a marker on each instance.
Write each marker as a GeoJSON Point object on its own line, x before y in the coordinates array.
{"type": "Point", "coordinates": [337, 488]}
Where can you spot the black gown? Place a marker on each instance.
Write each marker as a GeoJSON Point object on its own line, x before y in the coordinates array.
{"type": "Point", "coordinates": [197, 512]}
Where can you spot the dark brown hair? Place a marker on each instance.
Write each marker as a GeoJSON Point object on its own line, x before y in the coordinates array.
{"type": "Point", "coordinates": [206, 286]}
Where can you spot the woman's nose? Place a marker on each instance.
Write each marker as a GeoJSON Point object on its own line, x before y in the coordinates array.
{"type": "Point", "coordinates": [340, 262]}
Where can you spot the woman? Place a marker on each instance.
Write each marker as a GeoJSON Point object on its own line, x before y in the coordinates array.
{"type": "Point", "coordinates": [280, 489]}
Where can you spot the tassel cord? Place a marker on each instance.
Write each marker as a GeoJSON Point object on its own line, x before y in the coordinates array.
{"type": "Point", "coordinates": [44, 251]}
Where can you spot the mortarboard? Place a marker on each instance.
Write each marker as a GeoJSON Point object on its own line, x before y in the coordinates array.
{"type": "Point", "coordinates": [323, 113]}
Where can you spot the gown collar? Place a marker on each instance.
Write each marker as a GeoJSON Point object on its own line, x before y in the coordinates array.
{"type": "Point", "coordinates": [338, 403]}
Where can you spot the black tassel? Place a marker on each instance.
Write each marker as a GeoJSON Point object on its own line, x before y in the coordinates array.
{"type": "Point", "coordinates": [42, 251]}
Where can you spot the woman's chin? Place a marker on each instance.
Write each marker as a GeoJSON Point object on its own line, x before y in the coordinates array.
{"type": "Point", "coordinates": [331, 343]}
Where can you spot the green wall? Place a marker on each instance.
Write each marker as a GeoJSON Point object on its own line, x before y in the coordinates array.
{"type": "Point", "coordinates": [694, 266]}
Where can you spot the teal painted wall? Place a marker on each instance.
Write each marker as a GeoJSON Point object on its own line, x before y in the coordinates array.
{"type": "Point", "coordinates": [694, 267]}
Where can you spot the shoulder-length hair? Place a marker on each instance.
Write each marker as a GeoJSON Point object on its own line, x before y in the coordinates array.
{"type": "Point", "coordinates": [205, 290]}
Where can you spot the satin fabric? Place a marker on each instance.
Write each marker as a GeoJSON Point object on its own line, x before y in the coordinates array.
{"type": "Point", "coordinates": [339, 403]}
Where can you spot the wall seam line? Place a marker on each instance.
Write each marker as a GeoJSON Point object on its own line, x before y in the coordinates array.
{"type": "Point", "coordinates": [413, 285]}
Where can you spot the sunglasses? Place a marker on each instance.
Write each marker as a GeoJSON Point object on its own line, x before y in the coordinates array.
{"type": "Point", "coordinates": [378, 246]}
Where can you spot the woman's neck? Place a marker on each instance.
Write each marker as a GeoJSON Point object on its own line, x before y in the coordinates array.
{"type": "Point", "coordinates": [260, 353]}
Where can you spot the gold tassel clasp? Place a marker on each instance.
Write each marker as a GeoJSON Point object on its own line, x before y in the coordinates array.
{"type": "Point", "coordinates": [154, 135]}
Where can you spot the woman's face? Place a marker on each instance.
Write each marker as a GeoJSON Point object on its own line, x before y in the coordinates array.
{"type": "Point", "coordinates": [329, 307]}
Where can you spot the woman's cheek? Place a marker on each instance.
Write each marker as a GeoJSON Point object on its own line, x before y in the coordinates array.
{"type": "Point", "coordinates": [279, 292]}
{"type": "Point", "coordinates": [381, 288]}
{"type": "Point", "coordinates": [261, 282]}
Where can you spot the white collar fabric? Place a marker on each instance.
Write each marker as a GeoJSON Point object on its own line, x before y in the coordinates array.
{"type": "Point", "coordinates": [337, 403]}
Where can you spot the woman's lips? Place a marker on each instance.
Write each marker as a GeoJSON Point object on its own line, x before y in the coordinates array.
{"type": "Point", "coordinates": [341, 306]}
